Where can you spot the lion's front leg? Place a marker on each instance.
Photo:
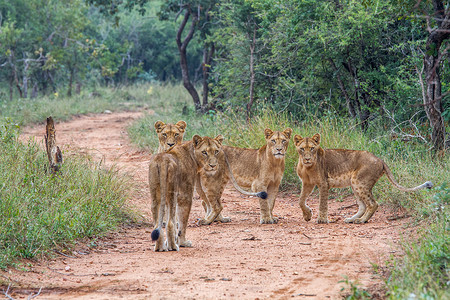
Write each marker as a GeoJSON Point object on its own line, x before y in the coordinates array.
{"type": "Point", "coordinates": [272, 192]}
{"type": "Point", "coordinates": [306, 210]}
{"type": "Point", "coordinates": [323, 203]}
{"type": "Point", "coordinates": [265, 218]}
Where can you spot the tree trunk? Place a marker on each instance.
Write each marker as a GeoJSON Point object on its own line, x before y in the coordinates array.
{"type": "Point", "coordinates": [182, 46]}
{"type": "Point", "coordinates": [69, 89]}
{"type": "Point", "coordinates": [432, 97]}
{"type": "Point", "coordinates": [348, 101]}
{"type": "Point", "coordinates": [34, 91]}
{"type": "Point", "coordinates": [206, 66]}
{"type": "Point", "coordinates": [252, 74]}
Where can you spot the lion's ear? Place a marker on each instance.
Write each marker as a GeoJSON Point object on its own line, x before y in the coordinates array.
{"type": "Point", "coordinates": [288, 132]}
{"type": "Point", "coordinates": [297, 139]}
{"type": "Point", "coordinates": [159, 126]}
{"type": "Point", "coordinates": [196, 139]}
{"type": "Point", "coordinates": [219, 139]}
{"type": "Point", "coordinates": [316, 138]}
{"type": "Point", "coordinates": [268, 133]}
{"type": "Point", "coordinates": [181, 125]}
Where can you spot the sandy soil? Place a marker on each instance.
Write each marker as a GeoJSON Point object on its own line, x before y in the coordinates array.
{"type": "Point", "coordinates": [241, 259]}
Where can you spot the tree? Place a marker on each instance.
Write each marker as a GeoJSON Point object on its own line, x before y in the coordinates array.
{"type": "Point", "coordinates": [198, 13]}
{"type": "Point", "coordinates": [438, 28]}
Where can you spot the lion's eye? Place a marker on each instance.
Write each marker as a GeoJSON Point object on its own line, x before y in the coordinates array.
{"type": "Point", "coordinates": [204, 153]}
{"type": "Point", "coordinates": [164, 135]}
{"type": "Point", "coordinates": [302, 149]}
{"type": "Point", "coordinates": [284, 141]}
{"type": "Point", "coordinates": [216, 152]}
{"type": "Point", "coordinates": [273, 141]}
{"type": "Point", "coordinates": [176, 134]}
{"type": "Point", "coordinates": [312, 148]}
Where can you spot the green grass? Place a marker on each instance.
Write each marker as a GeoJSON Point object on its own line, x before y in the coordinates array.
{"type": "Point", "coordinates": [138, 97]}
{"type": "Point", "coordinates": [424, 271]}
{"type": "Point", "coordinates": [40, 212]}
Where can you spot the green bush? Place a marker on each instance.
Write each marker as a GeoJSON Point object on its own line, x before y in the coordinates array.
{"type": "Point", "coordinates": [40, 211]}
{"type": "Point", "coordinates": [424, 271]}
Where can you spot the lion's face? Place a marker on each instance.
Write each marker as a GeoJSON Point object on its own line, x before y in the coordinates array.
{"type": "Point", "coordinates": [278, 141]}
{"type": "Point", "coordinates": [170, 135]}
{"type": "Point", "coordinates": [307, 149]}
{"type": "Point", "coordinates": [207, 152]}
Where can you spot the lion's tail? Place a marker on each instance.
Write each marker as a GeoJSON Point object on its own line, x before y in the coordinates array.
{"type": "Point", "coordinates": [163, 172]}
{"type": "Point", "coordinates": [387, 171]}
{"type": "Point", "coordinates": [262, 194]}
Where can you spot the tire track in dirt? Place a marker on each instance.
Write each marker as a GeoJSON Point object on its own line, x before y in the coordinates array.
{"type": "Point", "coordinates": [241, 259]}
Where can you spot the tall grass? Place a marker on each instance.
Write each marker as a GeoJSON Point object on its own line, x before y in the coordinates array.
{"type": "Point", "coordinates": [40, 212]}
{"type": "Point", "coordinates": [424, 271]}
{"type": "Point", "coordinates": [60, 107]}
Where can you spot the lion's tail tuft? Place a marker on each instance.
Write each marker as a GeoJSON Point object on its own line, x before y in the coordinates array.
{"type": "Point", "coordinates": [262, 195]}
{"type": "Point", "coordinates": [155, 234]}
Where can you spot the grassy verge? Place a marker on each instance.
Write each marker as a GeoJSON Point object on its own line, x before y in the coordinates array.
{"type": "Point", "coordinates": [26, 111]}
{"type": "Point", "coordinates": [423, 273]}
{"type": "Point", "coordinates": [40, 212]}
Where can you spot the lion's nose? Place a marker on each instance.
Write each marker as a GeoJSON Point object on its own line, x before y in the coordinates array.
{"type": "Point", "coordinates": [170, 144]}
{"type": "Point", "coordinates": [212, 165]}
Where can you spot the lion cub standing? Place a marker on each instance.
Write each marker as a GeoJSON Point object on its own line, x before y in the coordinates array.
{"type": "Point", "coordinates": [261, 169]}
{"type": "Point", "coordinates": [169, 135]}
{"type": "Point", "coordinates": [172, 177]}
{"type": "Point", "coordinates": [337, 168]}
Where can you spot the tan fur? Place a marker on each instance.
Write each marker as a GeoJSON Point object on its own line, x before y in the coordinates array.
{"type": "Point", "coordinates": [261, 169]}
{"type": "Point", "coordinates": [172, 134]}
{"type": "Point", "coordinates": [172, 177]}
{"type": "Point", "coordinates": [169, 134]}
{"type": "Point", "coordinates": [337, 168]}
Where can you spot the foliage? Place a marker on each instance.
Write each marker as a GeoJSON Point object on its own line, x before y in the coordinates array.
{"type": "Point", "coordinates": [354, 291]}
{"type": "Point", "coordinates": [40, 212]}
{"type": "Point", "coordinates": [424, 270]}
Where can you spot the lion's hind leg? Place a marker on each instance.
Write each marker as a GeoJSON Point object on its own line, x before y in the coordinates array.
{"type": "Point", "coordinates": [366, 202]}
{"type": "Point", "coordinates": [170, 229]}
{"type": "Point", "coordinates": [361, 204]}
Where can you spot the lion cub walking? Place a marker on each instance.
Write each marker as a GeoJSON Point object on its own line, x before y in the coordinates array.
{"type": "Point", "coordinates": [337, 168]}
{"type": "Point", "coordinates": [172, 178]}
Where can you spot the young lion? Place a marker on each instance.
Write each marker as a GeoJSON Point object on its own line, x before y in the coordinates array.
{"type": "Point", "coordinates": [169, 134]}
{"type": "Point", "coordinates": [172, 177]}
{"type": "Point", "coordinates": [337, 168]}
{"type": "Point", "coordinates": [261, 169]}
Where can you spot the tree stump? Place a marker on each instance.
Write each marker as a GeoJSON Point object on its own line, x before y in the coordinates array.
{"type": "Point", "coordinates": [53, 152]}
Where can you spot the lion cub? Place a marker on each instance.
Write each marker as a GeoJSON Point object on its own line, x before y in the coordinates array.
{"type": "Point", "coordinates": [172, 178]}
{"type": "Point", "coordinates": [261, 169]}
{"type": "Point", "coordinates": [337, 168]}
{"type": "Point", "coordinates": [169, 135]}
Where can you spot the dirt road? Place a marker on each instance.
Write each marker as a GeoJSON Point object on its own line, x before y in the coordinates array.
{"type": "Point", "coordinates": [241, 259]}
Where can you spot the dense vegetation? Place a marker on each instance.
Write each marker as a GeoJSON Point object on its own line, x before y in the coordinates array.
{"type": "Point", "coordinates": [376, 62]}
{"type": "Point", "coordinates": [40, 212]}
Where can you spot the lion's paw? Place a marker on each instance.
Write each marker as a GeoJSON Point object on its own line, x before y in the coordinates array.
{"type": "Point", "coordinates": [322, 220]}
{"type": "Point", "coordinates": [203, 222]}
{"type": "Point", "coordinates": [224, 220]}
{"type": "Point", "coordinates": [359, 221]}
{"type": "Point", "coordinates": [269, 221]}
{"type": "Point", "coordinates": [348, 220]}
{"type": "Point", "coordinates": [186, 244]}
